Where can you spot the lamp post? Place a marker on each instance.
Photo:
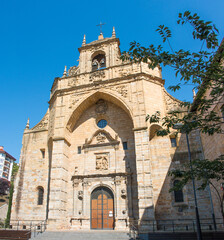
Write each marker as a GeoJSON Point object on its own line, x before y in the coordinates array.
{"type": "Point", "coordinates": [199, 234]}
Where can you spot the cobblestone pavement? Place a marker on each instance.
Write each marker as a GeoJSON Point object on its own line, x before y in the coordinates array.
{"type": "Point", "coordinates": [83, 235]}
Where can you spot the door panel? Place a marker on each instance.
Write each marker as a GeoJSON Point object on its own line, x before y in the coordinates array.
{"type": "Point", "coordinates": [102, 209]}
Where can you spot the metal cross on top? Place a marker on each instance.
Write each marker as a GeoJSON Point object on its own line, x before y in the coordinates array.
{"type": "Point", "coordinates": [100, 25]}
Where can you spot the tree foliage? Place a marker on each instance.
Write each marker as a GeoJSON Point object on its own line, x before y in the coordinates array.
{"type": "Point", "coordinates": [204, 69]}
{"type": "Point", "coordinates": [201, 68]}
{"type": "Point", "coordinates": [4, 186]}
{"type": "Point", "coordinates": [14, 172]}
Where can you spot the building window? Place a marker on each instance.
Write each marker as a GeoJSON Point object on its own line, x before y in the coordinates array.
{"type": "Point", "coordinates": [40, 196]}
{"type": "Point", "coordinates": [79, 150]}
{"type": "Point", "coordinates": [102, 123]}
{"type": "Point", "coordinates": [98, 62]}
{"type": "Point", "coordinates": [178, 194]}
{"type": "Point", "coordinates": [125, 145]}
{"type": "Point", "coordinates": [42, 153]}
{"type": "Point", "coordinates": [173, 142]}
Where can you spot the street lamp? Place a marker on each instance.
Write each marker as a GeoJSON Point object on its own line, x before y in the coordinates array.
{"type": "Point", "coordinates": [199, 235]}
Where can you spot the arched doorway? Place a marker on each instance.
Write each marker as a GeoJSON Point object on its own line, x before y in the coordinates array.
{"type": "Point", "coordinates": [102, 209]}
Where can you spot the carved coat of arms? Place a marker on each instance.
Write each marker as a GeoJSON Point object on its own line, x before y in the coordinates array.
{"type": "Point", "coordinates": [100, 138]}
{"type": "Point", "coordinates": [101, 107]}
{"type": "Point", "coordinates": [101, 162]}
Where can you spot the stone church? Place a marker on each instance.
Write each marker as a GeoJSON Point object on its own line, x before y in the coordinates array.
{"type": "Point", "coordinates": [93, 162]}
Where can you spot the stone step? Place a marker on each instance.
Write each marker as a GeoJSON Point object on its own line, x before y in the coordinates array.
{"type": "Point", "coordinates": [83, 235]}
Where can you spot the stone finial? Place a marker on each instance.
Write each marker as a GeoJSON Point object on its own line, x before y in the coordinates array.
{"type": "Point", "coordinates": [114, 33]}
{"type": "Point", "coordinates": [194, 93]}
{"type": "Point", "coordinates": [100, 37]}
{"type": "Point", "coordinates": [65, 72]}
{"type": "Point", "coordinates": [28, 124]}
{"type": "Point", "coordinates": [84, 40]}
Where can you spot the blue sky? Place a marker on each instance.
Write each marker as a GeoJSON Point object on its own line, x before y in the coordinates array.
{"type": "Point", "coordinates": [39, 37]}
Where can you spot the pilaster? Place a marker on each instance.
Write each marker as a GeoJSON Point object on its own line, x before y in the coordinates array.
{"type": "Point", "coordinates": [58, 184]}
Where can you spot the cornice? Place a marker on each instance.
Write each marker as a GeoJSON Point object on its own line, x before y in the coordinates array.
{"type": "Point", "coordinates": [99, 42]}
{"type": "Point", "coordinates": [132, 77]}
{"type": "Point", "coordinates": [112, 175]}
{"type": "Point", "coordinates": [58, 138]}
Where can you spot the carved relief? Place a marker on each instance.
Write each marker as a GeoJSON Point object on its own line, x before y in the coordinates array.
{"type": "Point", "coordinates": [101, 107]}
{"type": "Point", "coordinates": [122, 90]}
{"type": "Point", "coordinates": [80, 195]}
{"type": "Point", "coordinates": [97, 76]}
{"type": "Point", "coordinates": [72, 82]}
{"type": "Point", "coordinates": [96, 48]}
{"type": "Point", "coordinates": [42, 124]}
{"type": "Point", "coordinates": [171, 102]}
{"type": "Point", "coordinates": [101, 137]}
{"type": "Point", "coordinates": [73, 71]}
{"type": "Point", "coordinates": [124, 72]}
{"type": "Point", "coordinates": [123, 193]}
{"type": "Point", "coordinates": [102, 162]}
{"type": "Point", "coordinates": [76, 183]}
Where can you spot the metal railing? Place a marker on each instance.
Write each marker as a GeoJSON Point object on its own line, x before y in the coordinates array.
{"type": "Point", "coordinates": [181, 225]}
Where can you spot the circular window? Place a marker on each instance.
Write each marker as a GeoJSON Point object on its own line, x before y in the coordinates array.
{"type": "Point", "coordinates": [102, 123]}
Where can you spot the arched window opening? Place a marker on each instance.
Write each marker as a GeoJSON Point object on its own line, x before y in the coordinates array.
{"type": "Point", "coordinates": [98, 62]}
{"type": "Point", "coordinates": [178, 194]}
{"type": "Point", "coordinates": [40, 196]}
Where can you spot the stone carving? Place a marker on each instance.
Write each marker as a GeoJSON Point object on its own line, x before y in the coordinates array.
{"type": "Point", "coordinates": [122, 90]}
{"type": "Point", "coordinates": [123, 193]}
{"type": "Point", "coordinates": [101, 137]}
{"type": "Point", "coordinates": [125, 72]}
{"type": "Point", "coordinates": [101, 107]}
{"type": "Point", "coordinates": [80, 195]}
{"type": "Point", "coordinates": [76, 183]}
{"type": "Point", "coordinates": [73, 71]}
{"type": "Point", "coordinates": [96, 48]}
{"type": "Point", "coordinates": [97, 76]}
{"type": "Point", "coordinates": [42, 124]}
{"type": "Point", "coordinates": [72, 82]}
{"type": "Point", "coordinates": [171, 102]}
{"type": "Point", "coordinates": [101, 162]}
{"type": "Point", "coordinates": [117, 180]}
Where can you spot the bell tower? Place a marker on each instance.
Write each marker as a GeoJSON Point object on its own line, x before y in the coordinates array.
{"type": "Point", "coordinates": [99, 54]}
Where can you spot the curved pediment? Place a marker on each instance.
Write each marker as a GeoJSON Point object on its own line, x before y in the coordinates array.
{"type": "Point", "coordinates": [101, 138]}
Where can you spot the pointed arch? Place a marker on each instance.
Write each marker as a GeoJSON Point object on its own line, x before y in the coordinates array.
{"type": "Point", "coordinates": [92, 99]}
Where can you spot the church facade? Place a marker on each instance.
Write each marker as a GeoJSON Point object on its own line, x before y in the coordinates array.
{"type": "Point", "coordinates": [93, 162]}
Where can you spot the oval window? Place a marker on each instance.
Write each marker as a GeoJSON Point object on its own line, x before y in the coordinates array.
{"type": "Point", "coordinates": [102, 123]}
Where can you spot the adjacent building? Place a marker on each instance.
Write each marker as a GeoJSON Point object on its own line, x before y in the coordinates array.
{"type": "Point", "coordinates": [6, 164]}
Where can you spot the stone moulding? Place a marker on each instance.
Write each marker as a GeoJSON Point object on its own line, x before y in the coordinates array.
{"type": "Point", "coordinates": [111, 141]}
{"type": "Point", "coordinates": [97, 75]}
{"type": "Point", "coordinates": [42, 125]}
{"type": "Point", "coordinates": [100, 175]}
{"type": "Point", "coordinates": [62, 138]}
{"type": "Point", "coordinates": [132, 77]}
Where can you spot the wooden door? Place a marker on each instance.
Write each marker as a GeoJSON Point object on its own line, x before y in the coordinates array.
{"type": "Point", "coordinates": [102, 209]}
